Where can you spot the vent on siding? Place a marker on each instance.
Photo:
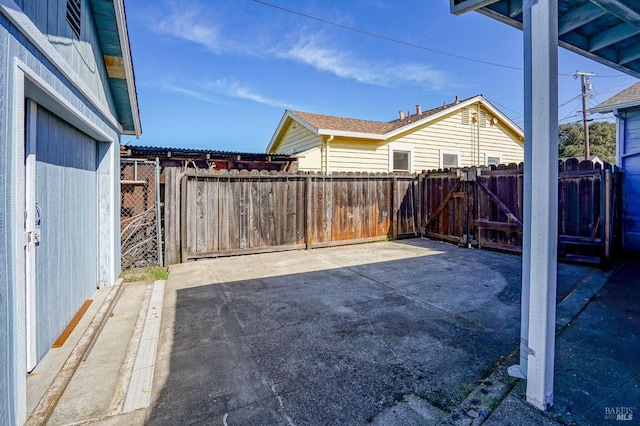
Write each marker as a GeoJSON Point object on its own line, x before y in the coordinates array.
{"type": "Point", "coordinates": [483, 118]}
{"type": "Point", "coordinates": [465, 115]}
{"type": "Point", "coordinates": [73, 16]}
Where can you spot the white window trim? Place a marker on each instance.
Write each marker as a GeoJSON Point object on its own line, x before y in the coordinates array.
{"type": "Point", "coordinates": [447, 151]}
{"type": "Point", "coordinates": [405, 148]}
{"type": "Point", "coordinates": [492, 154]}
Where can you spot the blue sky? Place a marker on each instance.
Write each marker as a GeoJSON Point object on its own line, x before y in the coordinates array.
{"type": "Point", "coordinates": [219, 74]}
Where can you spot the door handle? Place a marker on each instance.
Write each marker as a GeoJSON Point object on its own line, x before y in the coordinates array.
{"type": "Point", "coordinates": [38, 214]}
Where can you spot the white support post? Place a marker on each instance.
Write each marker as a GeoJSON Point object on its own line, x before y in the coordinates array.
{"type": "Point", "coordinates": [541, 195]}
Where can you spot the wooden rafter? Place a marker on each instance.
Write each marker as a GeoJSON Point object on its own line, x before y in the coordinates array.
{"type": "Point", "coordinates": [612, 35]}
{"type": "Point", "coordinates": [620, 10]}
{"type": "Point", "coordinates": [579, 17]}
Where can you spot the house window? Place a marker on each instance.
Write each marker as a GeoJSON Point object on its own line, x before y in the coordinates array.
{"type": "Point", "coordinates": [73, 16]}
{"type": "Point", "coordinates": [401, 161]}
{"type": "Point", "coordinates": [492, 159]}
{"type": "Point", "coordinates": [400, 158]}
{"type": "Point", "coordinates": [449, 159]}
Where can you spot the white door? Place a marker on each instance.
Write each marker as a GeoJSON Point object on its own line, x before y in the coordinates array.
{"type": "Point", "coordinates": [32, 231]}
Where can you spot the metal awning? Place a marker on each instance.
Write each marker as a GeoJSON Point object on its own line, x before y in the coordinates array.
{"type": "Point", "coordinates": [607, 31]}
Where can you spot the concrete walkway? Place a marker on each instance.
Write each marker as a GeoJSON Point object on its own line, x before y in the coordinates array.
{"type": "Point", "coordinates": [414, 333]}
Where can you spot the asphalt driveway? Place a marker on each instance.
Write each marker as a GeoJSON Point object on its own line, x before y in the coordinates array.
{"type": "Point", "coordinates": [343, 335]}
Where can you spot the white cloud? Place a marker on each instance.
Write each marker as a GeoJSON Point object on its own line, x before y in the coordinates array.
{"type": "Point", "coordinates": [195, 94]}
{"type": "Point", "coordinates": [191, 24]}
{"type": "Point", "coordinates": [341, 63]}
{"type": "Point", "coordinates": [220, 91]}
{"type": "Point", "coordinates": [234, 89]}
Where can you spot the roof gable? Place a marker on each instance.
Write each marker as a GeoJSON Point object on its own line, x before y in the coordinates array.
{"type": "Point", "coordinates": [628, 98]}
{"type": "Point", "coordinates": [329, 125]}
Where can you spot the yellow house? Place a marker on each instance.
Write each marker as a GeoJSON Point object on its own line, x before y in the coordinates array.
{"type": "Point", "coordinates": [463, 133]}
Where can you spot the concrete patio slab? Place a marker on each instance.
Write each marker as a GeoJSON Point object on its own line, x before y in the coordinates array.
{"type": "Point", "coordinates": [336, 336]}
{"type": "Point", "coordinates": [412, 332]}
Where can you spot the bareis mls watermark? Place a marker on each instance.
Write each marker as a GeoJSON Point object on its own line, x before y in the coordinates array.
{"type": "Point", "coordinates": [619, 413]}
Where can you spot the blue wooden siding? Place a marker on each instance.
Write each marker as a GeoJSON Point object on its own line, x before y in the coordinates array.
{"type": "Point", "coordinates": [631, 181]}
{"type": "Point", "coordinates": [7, 258]}
{"type": "Point", "coordinates": [84, 55]}
{"type": "Point", "coordinates": [66, 259]}
{"type": "Point", "coordinates": [15, 45]}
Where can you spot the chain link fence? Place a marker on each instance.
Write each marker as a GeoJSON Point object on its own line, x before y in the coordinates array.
{"type": "Point", "coordinates": [140, 219]}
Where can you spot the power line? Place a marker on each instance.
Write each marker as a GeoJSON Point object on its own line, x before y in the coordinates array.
{"type": "Point", "coordinates": [572, 99]}
{"type": "Point", "coordinates": [405, 43]}
{"type": "Point", "coordinates": [382, 37]}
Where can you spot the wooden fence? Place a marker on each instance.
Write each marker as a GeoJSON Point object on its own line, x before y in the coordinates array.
{"type": "Point", "coordinates": [239, 212]}
{"type": "Point", "coordinates": [483, 207]}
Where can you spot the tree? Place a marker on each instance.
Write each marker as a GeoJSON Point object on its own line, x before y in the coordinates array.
{"type": "Point", "coordinates": [602, 140]}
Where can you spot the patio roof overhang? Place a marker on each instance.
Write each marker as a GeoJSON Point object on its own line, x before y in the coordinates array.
{"type": "Point", "coordinates": [607, 31]}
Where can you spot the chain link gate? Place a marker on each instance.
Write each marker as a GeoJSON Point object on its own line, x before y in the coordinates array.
{"type": "Point", "coordinates": [140, 217]}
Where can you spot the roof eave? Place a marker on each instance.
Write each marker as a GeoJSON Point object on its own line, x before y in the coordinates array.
{"type": "Point", "coordinates": [281, 125]}
{"type": "Point", "coordinates": [276, 133]}
{"type": "Point", "coordinates": [518, 25]}
{"type": "Point", "coordinates": [613, 107]}
{"type": "Point", "coordinates": [128, 66]}
{"type": "Point", "coordinates": [356, 135]}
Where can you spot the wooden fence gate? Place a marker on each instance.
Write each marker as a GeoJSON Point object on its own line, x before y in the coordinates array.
{"type": "Point", "coordinates": [241, 212]}
{"type": "Point", "coordinates": [483, 207]}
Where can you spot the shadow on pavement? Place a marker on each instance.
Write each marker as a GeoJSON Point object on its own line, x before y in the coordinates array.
{"type": "Point", "coordinates": [342, 345]}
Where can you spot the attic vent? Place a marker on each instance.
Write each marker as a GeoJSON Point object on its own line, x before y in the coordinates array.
{"type": "Point", "coordinates": [73, 16]}
{"type": "Point", "coordinates": [483, 118]}
{"type": "Point", "coordinates": [465, 115]}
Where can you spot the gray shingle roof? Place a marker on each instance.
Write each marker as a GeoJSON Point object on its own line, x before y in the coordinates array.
{"type": "Point", "coordinates": [330, 122]}
{"type": "Point", "coordinates": [628, 97]}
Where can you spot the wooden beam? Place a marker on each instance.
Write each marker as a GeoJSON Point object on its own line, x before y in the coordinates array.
{"type": "Point", "coordinates": [442, 205]}
{"type": "Point", "coordinates": [540, 233]}
{"type": "Point", "coordinates": [498, 226]}
{"type": "Point", "coordinates": [515, 8]}
{"type": "Point", "coordinates": [612, 35]}
{"type": "Point", "coordinates": [629, 54]}
{"type": "Point", "coordinates": [620, 11]}
{"type": "Point", "coordinates": [458, 7]}
{"type": "Point", "coordinates": [502, 206]}
{"type": "Point", "coordinates": [578, 17]}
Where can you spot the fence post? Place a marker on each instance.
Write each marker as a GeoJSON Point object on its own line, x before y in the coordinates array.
{"type": "Point", "coordinates": [420, 209]}
{"type": "Point", "coordinates": [307, 213]}
{"type": "Point", "coordinates": [183, 219]}
{"type": "Point", "coordinates": [172, 213]}
{"type": "Point", "coordinates": [158, 214]}
{"type": "Point", "coordinates": [607, 215]}
{"type": "Point", "coordinates": [394, 208]}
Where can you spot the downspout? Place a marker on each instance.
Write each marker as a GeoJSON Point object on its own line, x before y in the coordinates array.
{"type": "Point", "coordinates": [473, 123]}
{"type": "Point", "coordinates": [324, 155]}
{"type": "Point", "coordinates": [619, 135]}
{"type": "Point", "coordinates": [479, 111]}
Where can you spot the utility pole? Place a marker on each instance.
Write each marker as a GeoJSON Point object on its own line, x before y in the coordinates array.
{"type": "Point", "coordinates": [585, 122]}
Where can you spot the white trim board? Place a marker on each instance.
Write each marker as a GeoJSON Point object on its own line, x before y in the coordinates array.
{"type": "Point", "coordinates": [28, 29]}
{"type": "Point", "coordinates": [26, 81]}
